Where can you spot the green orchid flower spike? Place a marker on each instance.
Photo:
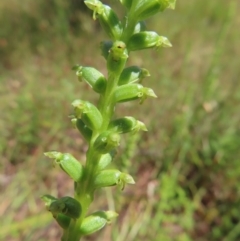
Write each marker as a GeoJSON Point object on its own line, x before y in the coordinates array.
{"type": "Point", "coordinates": [96, 121]}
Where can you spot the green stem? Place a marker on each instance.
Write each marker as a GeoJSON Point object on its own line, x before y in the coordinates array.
{"type": "Point", "coordinates": [106, 105]}
{"type": "Point", "coordinates": [129, 28]}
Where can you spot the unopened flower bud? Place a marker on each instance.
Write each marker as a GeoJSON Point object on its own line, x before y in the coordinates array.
{"type": "Point", "coordinates": [107, 178]}
{"type": "Point", "coordinates": [89, 114]}
{"type": "Point", "coordinates": [96, 221]}
{"type": "Point", "coordinates": [62, 219]}
{"type": "Point", "coordinates": [107, 17]}
{"type": "Point", "coordinates": [67, 206]}
{"type": "Point", "coordinates": [110, 23]}
{"type": "Point", "coordinates": [147, 39]}
{"type": "Point", "coordinates": [68, 164]}
{"type": "Point", "coordinates": [132, 74]}
{"type": "Point", "coordinates": [117, 57]}
{"type": "Point", "coordinates": [130, 92]}
{"type": "Point", "coordinates": [107, 141]}
{"type": "Point", "coordinates": [126, 124]}
{"type": "Point", "coordinates": [84, 130]}
{"type": "Point", "coordinates": [93, 77]}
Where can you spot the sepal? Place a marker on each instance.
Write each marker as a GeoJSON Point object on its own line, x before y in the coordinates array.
{"type": "Point", "coordinates": [68, 164]}
{"type": "Point", "coordinates": [130, 92]}
{"type": "Point", "coordinates": [89, 114]}
{"type": "Point", "coordinates": [132, 74]}
{"type": "Point", "coordinates": [171, 4]}
{"type": "Point", "coordinates": [48, 199]}
{"type": "Point", "coordinates": [93, 77]}
{"type": "Point", "coordinates": [126, 124]}
{"type": "Point", "coordinates": [117, 57]}
{"type": "Point", "coordinates": [84, 130]}
{"type": "Point", "coordinates": [96, 221]}
{"type": "Point", "coordinates": [106, 142]}
{"type": "Point", "coordinates": [147, 39]}
{"type": "Point", "coordinates": [124, 179]}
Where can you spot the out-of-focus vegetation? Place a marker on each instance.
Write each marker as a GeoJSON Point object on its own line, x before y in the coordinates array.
{"type": "Point", "coordinates": [187, 167]}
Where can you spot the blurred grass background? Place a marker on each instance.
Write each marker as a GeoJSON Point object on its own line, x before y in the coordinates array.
{"type": "Point", "coordinates": [186, 166]}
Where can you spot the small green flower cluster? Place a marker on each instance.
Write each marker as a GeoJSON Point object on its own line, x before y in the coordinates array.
{"type": "Point", "coordinates": [96, 123]}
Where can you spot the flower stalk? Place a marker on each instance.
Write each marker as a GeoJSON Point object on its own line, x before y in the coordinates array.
{"type": "Point", "coordinates": [97, 124]}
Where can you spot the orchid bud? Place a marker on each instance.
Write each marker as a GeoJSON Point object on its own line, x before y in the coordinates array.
{"type": "Point", "coordinates": [106, 142]}
{"type": "Point", "coordinates": [62, 219]}
{"type": "Point", "coordinates": [67, 206]}
{"type": "Point", "coordinates": [132, 74]}
{"type": "Point", "coordinates": [126, 124]}
{"type": "Point", "coordinates": [146, 8]}
{"type": "Point", "coordinates": [93, 77]}
{"type": "Point", "coordinates": [68, 164]}
{"type": "Point", "coordinates": [147, 39]}
{"type": "Point", "coordinates": [117, 57]}
{"type": "Point", "coordinates": [96, 221]}
{"type": "Point", "coordinates": [84, 130]}
{"type": "Point", "coordinates": [89, 114]}
{"type": "Point", "coordinates": [110, 23]}
{"type": "Point", "coordinates": [105, 47]}
{"type": "Point", "coordinates": [118, 51]}
{"type": "Point", "coordinates": [107, 18]}
{"type": "Point", "coordinates": [130, 92]}
{"type": "Point", "coordinates": [107, 178]}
